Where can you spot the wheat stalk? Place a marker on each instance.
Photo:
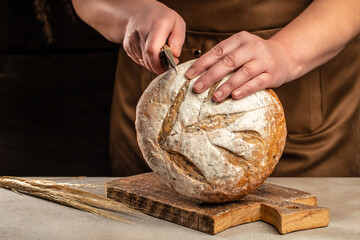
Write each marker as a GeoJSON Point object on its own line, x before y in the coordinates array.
{"type": "Point", "coordinates": [66, 195]}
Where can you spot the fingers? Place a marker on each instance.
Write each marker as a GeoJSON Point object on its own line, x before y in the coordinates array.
{"type": "Point", "coordinates": [148, 29]}
{"type": "Point", "coordinates": [156, 39]}
{"type": "Point", "coordinates": [133, 53]}
{"type": "Point", "coordinates": [160, 33]}
{"type": "Point", "coordinates": [256, 64]}
{"type": "Point", "coordinates": [260, 82]}
{"type": "Point", "coordinates": [223, 67]}
{"type": "Point", "coordinates": [216, 53]}
{"type": "Point", "coordinates": [247, 72]}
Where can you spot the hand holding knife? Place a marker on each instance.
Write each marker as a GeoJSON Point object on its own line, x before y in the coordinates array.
{"type": "Point", "coordinates": [167, 59]}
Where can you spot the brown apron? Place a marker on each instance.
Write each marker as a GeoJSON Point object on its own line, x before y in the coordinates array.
{"type": "Point", "coordinates": [321, 108]}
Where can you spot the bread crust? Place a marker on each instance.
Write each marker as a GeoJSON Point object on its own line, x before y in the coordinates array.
{"type": "Point", "coordinates": [208, 151]}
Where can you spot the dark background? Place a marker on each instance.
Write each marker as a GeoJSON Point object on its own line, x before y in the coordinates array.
{"type": "Point", "coordinates": [54, 98]}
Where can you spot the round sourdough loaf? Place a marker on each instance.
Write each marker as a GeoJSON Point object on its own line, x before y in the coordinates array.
{"type": "Point", "coordinates": [212, 152]}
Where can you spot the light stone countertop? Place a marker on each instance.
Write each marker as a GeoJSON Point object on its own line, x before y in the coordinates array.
{"type": "Point", "coordinates": [26, 217]}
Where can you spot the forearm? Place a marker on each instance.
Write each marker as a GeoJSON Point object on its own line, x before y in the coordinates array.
{"type": "Point", "coordinates": [103, 14]}
{"type": "Point", "coordinates": [319, 33]}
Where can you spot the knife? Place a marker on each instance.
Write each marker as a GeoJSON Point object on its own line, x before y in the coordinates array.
{"type": "Point", "coordinates": [167, 58]}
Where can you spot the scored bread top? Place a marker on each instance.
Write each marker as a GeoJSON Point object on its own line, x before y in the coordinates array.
{"type": "Point", "coordinates": [212, 152]}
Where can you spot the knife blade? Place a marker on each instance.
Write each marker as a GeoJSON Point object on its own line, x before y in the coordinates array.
{"type": "Point", "coordinates": [167, 58]}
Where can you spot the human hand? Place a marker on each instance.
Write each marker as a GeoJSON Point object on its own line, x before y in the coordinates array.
{"type": "Point", "coordinates": [142, 26]}
{"type": "Point", "coordinates": [256, 64]}
{"type": "Point", "coordinates": [151, 24]}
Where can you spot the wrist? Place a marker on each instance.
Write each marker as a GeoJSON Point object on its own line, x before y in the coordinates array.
{"type": "Point", "coordinates": [292, 62]}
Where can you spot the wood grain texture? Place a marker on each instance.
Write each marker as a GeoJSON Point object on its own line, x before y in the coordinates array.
{"type": "Point", "coordinates": [286, 209]}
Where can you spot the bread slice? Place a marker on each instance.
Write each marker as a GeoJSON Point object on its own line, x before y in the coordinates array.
{"type": "Point", "coordinates": [212, 152]}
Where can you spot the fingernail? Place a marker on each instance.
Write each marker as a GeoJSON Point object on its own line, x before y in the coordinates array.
{"type": "Point", "coordinates": [236, 93]}
{"type": "Point", "coordinates": [218, 94]}
{"type": "Point", "coordinates": [190, 74]}
{"type": "Point", "coordinates": [198, 86]}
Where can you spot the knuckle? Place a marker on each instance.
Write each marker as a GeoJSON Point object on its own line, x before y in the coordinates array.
{"type": "Point", "coordinates": [259, 44]}
{"type": "Point", "coordinates": [183, 25]}
{"type": "Point", "coordinates": [181, 21]}
{"type": "Point", "coordinates": [229, 61]}
{"type": "Point", "coordinates": [159, 21]}
{"type": "Point", "coordinates": [272, 83]}
{"type": "Point", "coordinates": [163, 20]}
{"type": "Point", "coordinates": [171, 13]}
{"type": "Point", "coordinates": [158, 24]}
{"type": "Point", "coordinates": [242, 34]}
{"type": "Point", "coordinates": [218, 50]}
{"type": "Point", "coordinates": [246, 90]}
{"type": "Point", "coordinates": [228, 86]}
{"type": "Point", "coordinates": [275, 85]}
{"type": "Point", "coordinates": [246, 71]}
{"type": "Point", "coordinates": [208, 79]}
{"type": "Point", "coordinates": [261, 83]}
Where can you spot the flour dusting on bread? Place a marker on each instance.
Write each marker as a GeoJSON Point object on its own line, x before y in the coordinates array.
{"type": "Point", "coordinates": [213, 152]}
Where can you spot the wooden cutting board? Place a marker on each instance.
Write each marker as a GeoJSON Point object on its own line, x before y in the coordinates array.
{"type": "Point", "coordinates": [286, 209]}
